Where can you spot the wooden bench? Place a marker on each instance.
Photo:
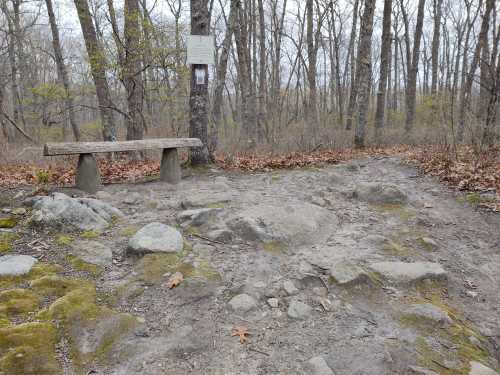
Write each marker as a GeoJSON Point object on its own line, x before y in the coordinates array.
{"type": "Point", "coordinates": [88, 177]}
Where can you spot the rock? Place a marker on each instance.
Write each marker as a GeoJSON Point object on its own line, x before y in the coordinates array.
{"type": "Point", "coordinates": [103, 195]}
{"type": "Point", "coordinates": [92, 252]}
{"type": "Point", "coordinates": [156, 237]}
{"type": "Point", "coordinates": [132, 199]}
{"type": "Point", "coordinates": [85, 214]}
{"type": "Point", "coordinates": [298, 310]}
{"type": "Point", "coordinates": [477, 368]}
{"type": "Point", "coordinates": [19, 211]}
{"type": "Point", "coordinates": [298, 223]}
{"type": "Point", "coordinates": [429, 243]}
{"type": "Point", "coordinates": [318, 366]}
{"type": "Point", "coordinates": [221, 235]}
{"type": "Point", "coordinates": [408, 273]}
{"type": "Point", "coordinates": [348, 274]}
{"type": "Point", "coordinates": [416, 370]}
{"type": "Point", "coordinates": [204, 199]}
{"type": "Point", "coordinates": [197, 217]}
{"type": "Point", "coordinates": [16, 265]}
{"type": "Point", "coordinates": [273, 302]}
{"type": "Point", "coordinates": [242, 303]}
{"type": "Point", "coordinates": [290, 288]}
{"type": "Point", "coordinates": [380, 194]}
{"type": "Point", "coordinates": [429, 312]}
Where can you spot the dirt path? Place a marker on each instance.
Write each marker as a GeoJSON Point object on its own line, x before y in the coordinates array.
{"type": "Point", "coordinates": [360, 268]}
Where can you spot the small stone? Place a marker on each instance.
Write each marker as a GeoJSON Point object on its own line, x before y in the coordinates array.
{"type": "Point", "coordinates": [197, 217]}
{"type": "Point", "coordinates": [348, 274]}
{"type": "Point", "coordinates": [429, 312]}
{"type": "Point", "coordinates": [133, 198]}
{"type": "Point", "coordinates": [92, 252]}
{"type": "Point", "coordinates": [103, 195]}
{"type": "Point", "coordinates": [318, 366]}
{"type": "Point", "coordinates": [19, 211]}
{"type": "Point", "coordinates": [273, 302]}
{"type": "Point", "coordinates": [16, 265]}
{"type": "Point", "coordinates": [242, 303]}
{"type": "Point", "coordinates": [290, 288]}
{"type": "Point", "coordinates": [429, 243]}
{"type": "Point", "coordinates": [220, 235]}
{"type": "Point", "coordinates": [416, 370]}
{"type": "Point", "coordinates": [472, 294]}
{"type": "Point", "coordinates": [408, 273]}
{"type": "Point", "coordinates": [298, 310]}
{"type": "Point", "coordinates": [380, 194]}
{"type": "Point", "coordinates": [19, 195]}
{"type": "Point", "coordinates": [156, 237]}
{"type": "Point", "coordinates": [477, 368]}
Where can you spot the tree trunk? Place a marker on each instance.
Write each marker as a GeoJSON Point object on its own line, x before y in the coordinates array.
{"type": "Point", "coordinates": [312, 54]}
{"type": "Point", "coordinates": [62, 72]}
{"type": "Point", "coordinates": [262, 70]}
{"type": "Point", "coordinates": [438, 11]}
{"type": "Point", "coordinates": [97, 63]}
{"type": "Point", "coordinates": [364, 70]}
{"type": "Point", "coordinates": [221, 77]}
{"type": "Point", "coordinates": [466, 90]}
{"type": "Point", "coordinates": [411, 87]}
{"type": "Point", "coordinates": [353, 92]}
{"type": "Point", "coordinates": [384, 69]}
{"type": "Point", "coordinates": [132, 71]}
{"type": "Point", "coordinates": [198, 98]}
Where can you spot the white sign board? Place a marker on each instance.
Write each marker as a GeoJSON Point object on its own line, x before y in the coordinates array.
{"type": "Point", "coordinates": [200, 49]}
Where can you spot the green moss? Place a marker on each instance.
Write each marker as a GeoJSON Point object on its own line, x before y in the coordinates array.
{"type": "Point", "coordinates": [193, 231]}
{"type": "Point", "coordinates": [38, 270]}
{"type": "Point", "coordinates": [395, 248]}
{"type": "Point", "coordinates": [216, 205]}
{"type": "Point", "coordinates": [6, 240]}
{"type": "Point", "coordinates": [4, 321]}
{"type": "Point", "coordinates": [18, 302]}
{"type": "Point", "coordinates": [207, 271]}
{"type": "Point", "coordinates": [152, 267]}
{"type": "Point", "coordinates": [128, 231]}
{"type": "Point", "coordinates": [64, 240]}
{"type": "Point", "coordinates": [58, 286]}
{"type": "Point", "coordinates": [78, 314]}
{"type": "Point", "coordinates": [80, 265]}
{"type": "Point", "coordinates": [29, 349]}
{"type": "Point", "coordinates": [403, 212]}
{"type": "Point", "coordinates": [426, 245]}
{"type": "Point", "coordinates": [90, 234]}
{"type": "Point", "coordinates": [8, 223]}
{"type": "Point", "coordinates": [275, 247]}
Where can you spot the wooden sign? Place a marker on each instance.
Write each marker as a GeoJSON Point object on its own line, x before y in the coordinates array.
{"type": "Point", "coordinates": [200, 50]}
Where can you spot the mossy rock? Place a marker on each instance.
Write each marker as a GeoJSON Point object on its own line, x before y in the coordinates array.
{"type": "Point", "coordinates": [28, 349]}
{"type": "Point", "coordinates": [8, 223]}
{"type": "Point", "coordinates": [90, 234]}
{"type": "Point", "coordinates": [6, 240]}
{"type": "Point", "coordinates": [128, 231]}
{"type": "Point", "coordinates": [80, 265]}
{"type": "Point", "coordinates": [57, 286]}
{"type": "Point", "coordinates": [152, 268]}
{"type": "Point", "coordinates": [39, 269]}
{"type": "Point", "coordinates": [18, 302]}
{"type": "Point", "coordinates": [92, 329]}
{"type": "Point", "coordinates": [64, 240]}
{"type": "Point", "coordinates": [275, 247]}
{"type": "Point", "coordinates": [402, 211]}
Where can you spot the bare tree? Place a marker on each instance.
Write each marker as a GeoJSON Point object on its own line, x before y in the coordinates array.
{"type": "Point", "coordinates": [364, 70]}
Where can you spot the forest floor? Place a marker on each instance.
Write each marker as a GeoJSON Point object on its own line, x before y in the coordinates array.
{"type": "Point", "coordinates": [364, 267]}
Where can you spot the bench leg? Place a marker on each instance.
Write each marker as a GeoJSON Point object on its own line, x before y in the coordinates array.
{"type": "Point", "coordinates": [170, 169]}
{"type": "Point", "coordinates": [88, 177]}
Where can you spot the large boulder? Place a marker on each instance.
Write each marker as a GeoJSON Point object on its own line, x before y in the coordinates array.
{"type": "Point", "coordinates": [408, 273]}
{"type": "Point", "coordinates": [16, 265]}
{"type": "Point", "coordinates": [156, 238]}
{"type": "Point", "coordinates": [295, 223]}
{"type": "Point", "coordinates": [85, 214]}
{"type": "Point", "coordinates": [380, 194]}
{"type": "Point", "coordinates": [477, 368]}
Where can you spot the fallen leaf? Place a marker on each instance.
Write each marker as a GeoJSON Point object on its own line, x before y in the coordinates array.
{"type": "Point", "coordinates": [175, 280]}
{"type": "Point", "coordinates": [241, 332]}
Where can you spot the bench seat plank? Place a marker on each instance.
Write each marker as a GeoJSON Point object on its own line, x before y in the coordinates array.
{"type": "Point", "coordinates": [73, 148]}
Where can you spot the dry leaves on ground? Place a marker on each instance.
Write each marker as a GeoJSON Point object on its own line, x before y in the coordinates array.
{"type": "Point", "coordinates": [242, 332]}
{"type": "Point", "coordinates": [175, 280]}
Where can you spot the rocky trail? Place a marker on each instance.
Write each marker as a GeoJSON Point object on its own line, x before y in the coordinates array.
{"type": "Point", "coordinates": [364, 268]}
